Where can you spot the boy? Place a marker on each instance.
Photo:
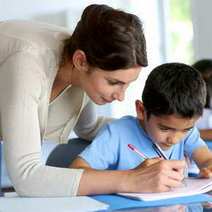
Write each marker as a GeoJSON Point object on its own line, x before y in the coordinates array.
{"type": "Point", "coordinates": [173, 100]}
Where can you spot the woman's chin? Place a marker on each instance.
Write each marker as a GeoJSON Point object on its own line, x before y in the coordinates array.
{"type": "Point", "coordinates": [100, 100]}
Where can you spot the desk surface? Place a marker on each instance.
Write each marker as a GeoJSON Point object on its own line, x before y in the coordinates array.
{"type": "Point", "coordinates": [117, 202]}
{"type": "Point", "coordinates": [209, 143]}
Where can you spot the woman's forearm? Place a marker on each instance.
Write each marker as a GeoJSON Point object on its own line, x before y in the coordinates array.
{"type": "Point", "coordinates": [157, 177]}
{"type": "Point", "coordinates": [102, 182]}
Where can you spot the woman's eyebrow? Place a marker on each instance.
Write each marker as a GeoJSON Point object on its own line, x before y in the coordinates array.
{"type": "Point", "coordinates": [116, 81]}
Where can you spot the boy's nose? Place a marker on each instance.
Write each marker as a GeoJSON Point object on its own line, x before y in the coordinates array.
{"type": "Point", "coordinates": [172, 141]}
{"type": "Point", "coordinates": [174, 138]}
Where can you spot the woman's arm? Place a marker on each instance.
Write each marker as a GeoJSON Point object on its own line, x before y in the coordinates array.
{"type": "Point", "coordinates": [157, 177]}
{"type": "Point", "coordinates": [21, 85]}
{"type": "Point", "coordinates": [153, 175]}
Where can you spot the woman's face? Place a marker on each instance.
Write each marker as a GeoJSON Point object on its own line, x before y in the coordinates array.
{"type": "Point", "coordinates": [106, 86]}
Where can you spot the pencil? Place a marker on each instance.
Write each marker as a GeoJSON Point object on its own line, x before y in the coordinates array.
{"type": "Point", "coordinates": [159, 151]}
{"type": "Point", "coordinates": [134, 149]}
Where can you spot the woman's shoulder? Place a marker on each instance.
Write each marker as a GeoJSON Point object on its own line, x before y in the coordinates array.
{"type": "Point", "coordinates": [41, 41]}
{"type": "Point", "coordinates": [33, 37]}
{"type": "Point", "coordinates": [34, 33]}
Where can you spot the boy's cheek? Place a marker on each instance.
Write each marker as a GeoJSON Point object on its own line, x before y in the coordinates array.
{"type": "Point", "coordinates": [159, 139]}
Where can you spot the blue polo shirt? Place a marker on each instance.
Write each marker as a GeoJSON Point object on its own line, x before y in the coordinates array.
{"type": "Point", "coordinates": [109, 150]}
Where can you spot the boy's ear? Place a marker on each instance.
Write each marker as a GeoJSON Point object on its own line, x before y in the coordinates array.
{"type": "Point", "coordinates": [140, 109]}
{"type": "Point", "coordinates": [79, 60]}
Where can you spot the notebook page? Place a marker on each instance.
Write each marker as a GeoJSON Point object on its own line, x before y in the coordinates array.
{"type": "Point", "coordinates": [191, 186]}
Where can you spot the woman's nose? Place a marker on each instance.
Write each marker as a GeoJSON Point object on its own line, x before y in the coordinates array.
{"type": "Point", "coordinates": [119, 95]}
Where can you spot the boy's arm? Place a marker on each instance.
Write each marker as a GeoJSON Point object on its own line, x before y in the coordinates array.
{"type": "Point", "coordinates": [101, 153]}
{"type": "Point", "coordinates": [206, 134]}
{"type": "Point", "coordinates": [79, 163]}
{"type": "Point", "coordinates": [203, 157]}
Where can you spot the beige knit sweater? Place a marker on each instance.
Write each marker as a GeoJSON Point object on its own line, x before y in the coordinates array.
{"type": "Point", "coordinates": [29, 59]}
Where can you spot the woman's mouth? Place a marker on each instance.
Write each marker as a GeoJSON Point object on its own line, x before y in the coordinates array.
{"type": "Point", "coordinates": [106, 100]}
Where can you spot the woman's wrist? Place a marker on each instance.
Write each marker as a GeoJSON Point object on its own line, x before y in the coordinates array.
{"type": "Point", "coordinates": [125, 181]}
{"type": "Point", "coordinates": [104, 182]}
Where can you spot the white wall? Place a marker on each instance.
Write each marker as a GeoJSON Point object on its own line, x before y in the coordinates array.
{"type": "Point", "coordinates": [202, 23]}
{"type": "Point", "coordinates": [61, 12]}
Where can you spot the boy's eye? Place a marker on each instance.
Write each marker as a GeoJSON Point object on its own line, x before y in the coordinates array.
{"type": "Point", "coordinates": [164, 129]}
{"type": "Point", "coordinates": [186, 130]}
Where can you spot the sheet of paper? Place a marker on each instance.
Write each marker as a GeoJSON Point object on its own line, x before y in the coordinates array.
{"type": "Point", "coordinates": [191, 186]}
{"type": "Point", "coordinates": [12, 203]}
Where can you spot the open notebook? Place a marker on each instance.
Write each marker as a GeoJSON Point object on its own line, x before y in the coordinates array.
{"type": "Point", "coordinates": [192, 186]}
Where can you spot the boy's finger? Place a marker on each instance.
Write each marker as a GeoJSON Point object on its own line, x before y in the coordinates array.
{"type": "Point", "coordinates": [205, 172]}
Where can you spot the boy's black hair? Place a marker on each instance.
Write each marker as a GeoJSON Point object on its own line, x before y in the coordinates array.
{"type": "Point", "coordinates": [174, 88]}
{"type": "Point", "coordinates": [204, 66]}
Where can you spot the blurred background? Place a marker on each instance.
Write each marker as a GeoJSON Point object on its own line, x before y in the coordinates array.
{"type": "Point", "coordinates": [176, 31]}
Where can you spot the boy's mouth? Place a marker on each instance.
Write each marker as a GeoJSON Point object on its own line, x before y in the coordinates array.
{"type": "Point", "coordinates": [166, 146]}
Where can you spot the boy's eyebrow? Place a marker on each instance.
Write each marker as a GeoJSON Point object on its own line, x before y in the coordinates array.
{"type": "Point", "coordinates": [171, 128]}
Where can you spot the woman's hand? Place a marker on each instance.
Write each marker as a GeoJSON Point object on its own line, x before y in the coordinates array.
{"type": "Point", "coordinates": [148, 162]}
{"type": "Point", "coordinates": [155, 175]}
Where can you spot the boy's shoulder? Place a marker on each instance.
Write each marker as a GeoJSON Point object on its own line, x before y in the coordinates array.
{"type": "Point", "coordinates": [122, 128]}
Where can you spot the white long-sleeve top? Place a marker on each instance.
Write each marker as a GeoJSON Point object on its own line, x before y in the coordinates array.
{"type": "Point", "coordinates": [29, 59]}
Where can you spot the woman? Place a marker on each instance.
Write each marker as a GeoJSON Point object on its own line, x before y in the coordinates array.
{"type": "Point", "coordinates": [48, 81]}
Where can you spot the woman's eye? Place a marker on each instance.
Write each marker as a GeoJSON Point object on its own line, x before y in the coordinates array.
{"type": "Point", "coordinates": [112, 83]}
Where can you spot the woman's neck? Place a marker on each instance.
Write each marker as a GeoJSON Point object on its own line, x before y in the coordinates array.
{"type": "Point", "coordinates": [64, 74]}
{"type": "Point", "coordinates": [63, 79]}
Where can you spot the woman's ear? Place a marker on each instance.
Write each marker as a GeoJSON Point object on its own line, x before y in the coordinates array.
{"type": "Point", "coordinates": [80, 61]}
{"type": "Point", "coordinates": [140, 109]}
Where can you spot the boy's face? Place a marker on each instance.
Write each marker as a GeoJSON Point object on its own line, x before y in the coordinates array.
{"type": "Point", "coordinates": [165, 130]}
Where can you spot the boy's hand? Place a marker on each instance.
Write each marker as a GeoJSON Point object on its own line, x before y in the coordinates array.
{"type": "Point", "coordinates": [206, 172]}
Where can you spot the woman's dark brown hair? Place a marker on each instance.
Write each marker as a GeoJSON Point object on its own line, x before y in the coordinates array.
{"type": "Point", "coordinates": [111, 39]}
